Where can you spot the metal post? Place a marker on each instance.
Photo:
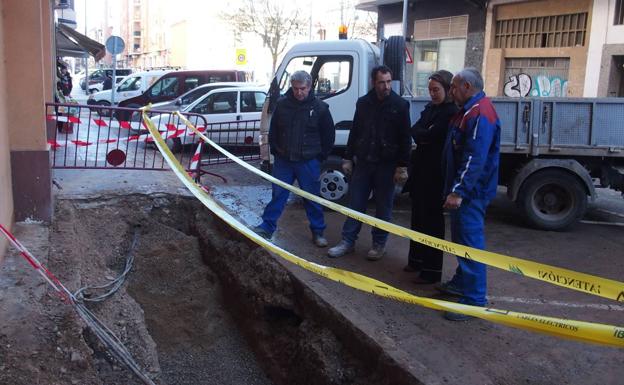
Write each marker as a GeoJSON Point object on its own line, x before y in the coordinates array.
{"type": "Point", "coordinates": [404, 18]}
{"type": "Point", "coordinates": [114, 83]}
{"type": "Point", "coordinates": [86, 54]}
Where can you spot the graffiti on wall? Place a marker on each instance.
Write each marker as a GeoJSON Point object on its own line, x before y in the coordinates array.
{"type": "Point", "coordinates": [522, 85]}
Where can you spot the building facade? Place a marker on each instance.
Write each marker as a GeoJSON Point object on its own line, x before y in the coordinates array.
{"type": "Point", "coordinates": [537, 48]}
{"type": "Point", "coordinates": [26, 84]}
{"type": "Point", "coordinates": [604, 75]}
{"type": "Point", "coordinates": [443, 34]}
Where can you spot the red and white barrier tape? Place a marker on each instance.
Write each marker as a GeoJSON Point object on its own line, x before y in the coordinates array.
{"type": "Point", "coordinates": [65, 294]}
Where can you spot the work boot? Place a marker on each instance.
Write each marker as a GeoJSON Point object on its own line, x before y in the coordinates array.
{"type": "Point", "coordinates": [450, 288]}
{"type": "Point", "coordinates": [263, 233]}
{"type": "Point", "coordinates": [340, 249]}
{"type": "Point", "coordinates": [376, 252]}
{"type": "Point", "coordinates": [319, 240]}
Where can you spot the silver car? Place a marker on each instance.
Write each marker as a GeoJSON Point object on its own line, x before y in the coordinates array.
{"type": "Point", "coordinates": [189, 97]}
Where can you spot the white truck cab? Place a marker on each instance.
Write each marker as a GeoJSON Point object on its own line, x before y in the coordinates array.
{"type": "Point", "coordinates": [340, 72]}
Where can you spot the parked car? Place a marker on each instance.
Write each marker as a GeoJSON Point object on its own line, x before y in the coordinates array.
{"type": "Point", "coordinates": [232, 115]}
{"type": "Point", "coordinates": [131, 86]}
{"type": "Point", "coordinates": [176, 83]}
{"type": "Point", "coordinates": [97, 77]}
{"type": "Point", "coordinates": [189, 97]}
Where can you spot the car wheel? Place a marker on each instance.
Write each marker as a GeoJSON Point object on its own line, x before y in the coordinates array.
{"type": "Point", "coordinates": [552, 199]}
{"type": "Point", "coordinates": [175, 145]}
{"type": "Point", "coordinates": [106, 112]}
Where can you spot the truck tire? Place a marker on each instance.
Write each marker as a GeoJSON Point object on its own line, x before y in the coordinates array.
{"type": "Point", "coordinates": [394, 57]}
{"type": "Point", "coordinates": [552, 199]}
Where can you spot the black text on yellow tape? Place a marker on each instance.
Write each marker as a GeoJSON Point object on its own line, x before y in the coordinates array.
{"type": "Point", "coordinates": [576, 330]}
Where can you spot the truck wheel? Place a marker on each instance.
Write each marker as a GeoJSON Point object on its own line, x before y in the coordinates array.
{"type": "Point", "coordinates": [394, 57]}
{"type": "Point", "coordinates": [552, 200]}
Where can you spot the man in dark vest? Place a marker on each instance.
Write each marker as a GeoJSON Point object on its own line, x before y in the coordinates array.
{"type": "Point", "coordinates": [376, 157]}
{"type": "Point", "coordinates": [301, 137]}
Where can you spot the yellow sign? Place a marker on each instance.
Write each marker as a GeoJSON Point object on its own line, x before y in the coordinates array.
{"type": "Point", "coordinates": [241, 56]}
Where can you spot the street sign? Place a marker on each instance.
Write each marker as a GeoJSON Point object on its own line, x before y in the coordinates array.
{"type": "Point", "coordinates": [241, 56]}
{"type": "Point", "coordinates": [115, 45]}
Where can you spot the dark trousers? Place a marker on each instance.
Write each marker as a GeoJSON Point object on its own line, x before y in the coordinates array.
{"type": "Point", "coordinates": [367, 177]}
{"type": "Point", "coordinates": [427, 218]}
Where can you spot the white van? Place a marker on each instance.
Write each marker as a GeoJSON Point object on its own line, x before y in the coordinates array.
{"type": "Point", "coordinates": [131, 86]}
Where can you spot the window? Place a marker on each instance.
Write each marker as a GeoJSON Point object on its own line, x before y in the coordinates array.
{"type": "Point", "coordinates": [433, 55]}
{"type": "Point", "coordinates": [539, 32]}
{"type": "Point", "coordinates": [190, 83]}
{"type": "Point", "coordinates": [165, 87]}
{"type": "Point", "coordinates": [218, 103]}
{"type": "Point", "coordinates": [251, 101]}
{"type": "Point", "coordinates": [331, 75]}
{"type": "Point", "coordinates": [130, 84]}
{"type": "Point", "coordinates": [618, 17]}
{"type": "Point", "coordinates": [190, 97]}
{"type": "Point", "coordinates": [221, 77]}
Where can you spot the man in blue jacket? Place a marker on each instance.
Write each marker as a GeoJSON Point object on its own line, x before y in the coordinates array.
{"type": "Point", "coordinates": [471, 156]}
{"type": "Point", "coordinates": [301, 136]}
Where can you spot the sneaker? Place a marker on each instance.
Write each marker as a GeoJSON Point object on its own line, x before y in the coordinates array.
{"type": "Point", "coordinates": [263, 233]}
{"type": "Point", "coordinates": [459, 317]}
{"type": "Point", "coordinates": [319, 240]}
{"type": "Point", "coordinates": [340, 249]}
{"type": "Point", "coordinates": [450, 288]}
{"type": "Point", "coordinates": [376, 252]}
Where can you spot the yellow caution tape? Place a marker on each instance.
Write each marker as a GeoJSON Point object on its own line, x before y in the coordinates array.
{"type": "Point", "coordinates": [576, 330]}
{"type": "Point", "coordinates": [570, 279]}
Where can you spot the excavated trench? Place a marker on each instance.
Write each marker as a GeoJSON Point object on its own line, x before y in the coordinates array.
{"type": "Point", "coordinates": [203, 305]}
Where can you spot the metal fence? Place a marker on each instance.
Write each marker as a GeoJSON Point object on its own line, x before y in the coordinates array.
{"type": "Point", "coordinates": [97, 137]}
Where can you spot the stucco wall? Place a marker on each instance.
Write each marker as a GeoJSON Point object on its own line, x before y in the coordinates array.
{"type": "Point", "coordinates": [6, 195]}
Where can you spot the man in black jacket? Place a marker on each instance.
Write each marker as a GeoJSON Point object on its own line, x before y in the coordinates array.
{"type": "Point", "coordinates": [376, 156]}
{"type": "Point", "coordinates": [301, 137]}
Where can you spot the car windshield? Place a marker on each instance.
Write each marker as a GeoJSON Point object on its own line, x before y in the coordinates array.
{"type": "Point", "coordinates": [130, 84]}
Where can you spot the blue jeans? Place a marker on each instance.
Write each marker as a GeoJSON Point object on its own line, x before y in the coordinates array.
{"type": "Point", "coordinates": [367, 177]}
{"type": "Point", "coordinates": [467, 223]}
{"type": "Point", "coordinates": [307, 173]}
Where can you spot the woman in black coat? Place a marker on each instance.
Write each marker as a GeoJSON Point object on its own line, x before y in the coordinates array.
{"type": "Point", "coordinates": [426, 180]}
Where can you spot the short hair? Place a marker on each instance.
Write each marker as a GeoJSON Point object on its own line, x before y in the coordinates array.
{"type": "Point", "coordinates": [471, 76]}
{"type": "Point", "coordinates": [301, 76]}
{"type": "Point", "coordinates": [383, 69]}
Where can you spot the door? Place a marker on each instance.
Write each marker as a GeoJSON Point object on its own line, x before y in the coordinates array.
{"type": "Point", "coordinates": [250, 107]}
{"type": "Point", "coordinates": [220, 111]}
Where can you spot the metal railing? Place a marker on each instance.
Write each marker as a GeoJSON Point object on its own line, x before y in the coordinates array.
{"type": "Point", "coordinates": [102, 137]}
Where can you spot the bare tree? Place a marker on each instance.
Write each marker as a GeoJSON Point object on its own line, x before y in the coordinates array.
{"type": "Point", "coordinates": [362, 25]}
{"type": "Point", "coordinates": [272, 20]}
